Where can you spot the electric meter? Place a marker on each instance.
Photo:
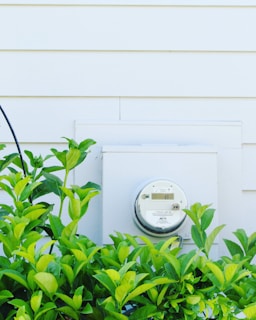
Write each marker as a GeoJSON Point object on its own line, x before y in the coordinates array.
{"type": "Point", "coordinates": [158, 208]}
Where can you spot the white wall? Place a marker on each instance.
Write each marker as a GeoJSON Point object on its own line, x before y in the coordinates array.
{"type": "Point", "coordinates": [140, 60]}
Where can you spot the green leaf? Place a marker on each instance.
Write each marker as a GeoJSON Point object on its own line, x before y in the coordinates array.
{"type": "Point", "coordinates": [106, 281]}
{"type": "Point", "coordinates": [70, 230]}
{"type": "Point", "coordinates": [74, 208]}
{"type": "Point", "coordinates": [43, 262]}
{"type": "Point", "coordinates": [72, 158]}
{"type": "Point", "coordinates": [78, 297]}
{"type": "Point", "coordinates": [250, 311]}
{"type": "Point", "coordinates": [121, 292]}
{"type": "Point", "coordinates": [56, 225]}
{"type": "Point", "coordinates": [233, 248]}
{"type": "Point", "coordinates": [230, 271]}
{"type": "Point", "coordinates": [15, 275]}
{"type": "Point", "coordinates": [19, 229]}
{"type": "Point", "coordinates": [193, 299]}
{"type": "Point", "coordinates": [45, 309]}
{"type": "Point", "coordinates": [242, 237]}
{"type": "Point", "coordinates": [207, 218]}
{"type": "Point", "coordinates": [211, 237]}
{"type": "Point", "coordinates": [20, 185]}
{"type": "Point", "coordinates": [197, 237]}
{"type": "Point", "coordinates": [7, 189]}
{"type": "Point", "coordinates": [186, 261]}
{"type": "Point", "coordinates": [138, 291]}
{"type": "Point", "coordinates": [69, 312]}
{"type": "Point", "coordinates": [145, 312]}
{"type": "Point", "coordinates": [217, 272]}
{"type": "Point", "coordinates": [5, 294]}
{"type": "Point", "coordinates": [68, 300]}
{"type": "Point", "coordinates": [123, 252]}
{"type": "Point", "coordinates": [47, 282]}
{"type": "Point", "coordinates": [35, 300]}
{"type": "Point", "coordinates": [69, 273]}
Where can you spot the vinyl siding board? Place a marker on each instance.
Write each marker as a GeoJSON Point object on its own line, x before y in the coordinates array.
{"type": "Point", "coordinates": [127, 74]}
{"type": "Point", "coordinates": [127, 28]}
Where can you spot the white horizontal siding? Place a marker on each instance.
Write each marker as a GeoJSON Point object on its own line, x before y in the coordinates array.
{"type": "Point", "coordinates": [127, 74]}
{"type": "Point", "coordinates": [189, 3]}
{"type": "Point", "coordinates": [44, 120]}
{"type": "Point", "coordinates": [193, 109]}
{"type": "Point", "coordinates": [127, 28]}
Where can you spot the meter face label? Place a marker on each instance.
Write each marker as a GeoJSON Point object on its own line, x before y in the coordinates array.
{"type": "Point", "coordinates": [159, 208]}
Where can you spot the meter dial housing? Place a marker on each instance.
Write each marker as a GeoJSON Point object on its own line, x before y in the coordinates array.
{"type": "Point", "coordinates": [158, 208]}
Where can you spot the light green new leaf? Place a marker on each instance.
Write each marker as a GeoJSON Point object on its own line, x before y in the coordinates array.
{"type": "Point", "coordinates": [138, 291]}
{"type": "Point", "coordinates": [70, 230]}
{"type": "Point", "coordinates": [230, 271]}
{"type": "Point", "coordinates": [20, 185]}
{"type": "Point", "coordinates": [72, 158]}
{"type": "Point", "coordinates": [193, 299]}
{"type": "Point", "coordinates": [35, 301]}
{"type": "Point", "coordinates": [250, 311]}
{"type": "Point", "coordinates": [121, 292]}
{"type": "Point", "coordinates": [123, 252]}
{"type": "Point", "coordinates": [35, 214]}
{"type": "Point", "coordinates": [19, 229]}
{"type": "Point", "coordinates": [74, 208]}
{"type": "Point", "coordinates": [79, 255]}
{"type": "Point", "coordinates": [211, 237]}
{"type": "Point", "coordinates": [47, 282]}
{"type": "Point", "coordinates": [69, 273]}
{"type": "Point", "coordinates": [217, 272]}
{"type": "Point", "coordinates": [78, 297]}
{"type": "Point", "coordinates": [43, 262]}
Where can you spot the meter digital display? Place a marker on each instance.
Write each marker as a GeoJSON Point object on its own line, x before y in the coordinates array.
{"type": "Point", "coordinates": [162, 196]}
{"type": "Point", "coordinates": [158, 208]}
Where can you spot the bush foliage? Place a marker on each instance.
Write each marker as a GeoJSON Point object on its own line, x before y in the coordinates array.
{"type": "Point", "coordinates": [50, 272]}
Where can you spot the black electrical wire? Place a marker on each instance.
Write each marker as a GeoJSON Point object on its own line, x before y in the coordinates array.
{"type": "Point", "coordinates": [15, 139]}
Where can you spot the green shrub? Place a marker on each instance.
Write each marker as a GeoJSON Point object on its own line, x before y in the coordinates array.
{"type": "Point", "coordinates": [50, 272]}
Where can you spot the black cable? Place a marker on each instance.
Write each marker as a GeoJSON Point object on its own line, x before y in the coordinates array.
{"type": "Point", "coordinates": [15, 139]}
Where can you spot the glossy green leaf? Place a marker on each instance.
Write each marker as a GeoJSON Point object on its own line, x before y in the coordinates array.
{"type": "Point", "coordinates": [43, 262]}
{"type": "Point", "coordinates": [206, 218]}
{"type": "Point", "coordinates": [5, 294]}
{"type": "Point", "coordinates": [217, 272]}
{"type": "Point", "coordinates": [193, 299]}
{"type": "Point", "coordinates": [36, 300]}
{"type": "Point", "coordinates": [233, 248]}
{"type": "Point", "coordinates": [70, 312]}
{"type": "Point", "coordinates": [138, 291]}
{"type": "Point", "coordinates": [78, 297]}
{"type": "Point", "coordinates": [56, 225]}
{"type": "Point", "coordinates": [211, 237]}
{"type": "Point", "coordinates": [48, 306]}
{"type": "Point", "coordinates": [20, 185]}
{"type": "Point", "coordinates": [15, 275]}
{"type": "Point", "coordinates": [230, 271]}
{"type": "Point", "coordinates": [69, 273]}
{"type": "Point", "coordinates": [46, 282]}
{"type": "Point", "coordinates": [72, 158]}
{"type": "Point", "coordinates": [250, 311]}
{"type": "Point", "coordinates": [242, 237]}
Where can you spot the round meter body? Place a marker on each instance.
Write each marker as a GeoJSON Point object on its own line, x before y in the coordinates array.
{"type": "Point", "coordinates": [158, 208]}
